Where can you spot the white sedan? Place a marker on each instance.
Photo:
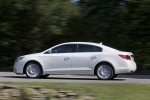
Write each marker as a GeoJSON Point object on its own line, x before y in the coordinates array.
{"type": "Point", "coordinates": [78, 58]}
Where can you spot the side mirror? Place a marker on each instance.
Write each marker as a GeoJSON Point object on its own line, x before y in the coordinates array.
{"type": "Point", "coordinates": [48, 52]}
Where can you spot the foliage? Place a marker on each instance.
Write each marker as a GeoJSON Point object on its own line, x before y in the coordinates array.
{"type": "Point", "coordinates": [26, 26]}
{"type": "Point", "coordinates": [29, 26]}
{"type": "Point", "coordinates": [123, 24]}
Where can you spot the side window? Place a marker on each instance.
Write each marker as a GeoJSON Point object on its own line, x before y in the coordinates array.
{"type": "Point", "coordinates": [85, 48]}
{"type": "Point", "coordinates": [97, 49]}
{"type": "Point", "coordinates": [67, 48]}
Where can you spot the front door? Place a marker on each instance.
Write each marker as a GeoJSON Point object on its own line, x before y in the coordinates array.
{"type": "Point", "coordinates": [59, 60]}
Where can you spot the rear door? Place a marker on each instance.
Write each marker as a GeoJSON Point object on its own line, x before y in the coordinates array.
{"type": "Point", "coordinates": [85, 58]}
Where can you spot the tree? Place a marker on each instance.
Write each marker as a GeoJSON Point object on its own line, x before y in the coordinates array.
{"type": "Point", "coordinates": [124, 24]}
{"type": "Point", "coordinates": [26, 26]}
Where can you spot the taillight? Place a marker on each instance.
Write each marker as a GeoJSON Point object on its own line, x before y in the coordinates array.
{"type": "Point", "coordinates": [127, 57]}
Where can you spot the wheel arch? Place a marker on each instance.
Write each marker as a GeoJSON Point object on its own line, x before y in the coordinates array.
{"type": "Point", "coordinates": [30, 62]}
{"type": "Point", "coordinates": [107, 62]}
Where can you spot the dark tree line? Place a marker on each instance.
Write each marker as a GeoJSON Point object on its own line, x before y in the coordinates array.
{"type": "Point", "coordinates": [28, 26]}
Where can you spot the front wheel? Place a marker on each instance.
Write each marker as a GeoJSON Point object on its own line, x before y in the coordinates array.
{"type": "Point", "coordinates": [115, 76]}
{"type": "Point", "coordinates": [33, 70]}
{"type": "Point", "coordinates": [105, 71]}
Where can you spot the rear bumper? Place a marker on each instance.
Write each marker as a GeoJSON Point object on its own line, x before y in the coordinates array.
{"type": "Point", "coordinates": [129, 67]}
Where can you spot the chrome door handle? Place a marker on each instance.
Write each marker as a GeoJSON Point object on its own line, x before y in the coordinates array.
{"type": "Point", "coordinates": [94, 57]}
{"type": "Point", "coordinates": [67, 58]}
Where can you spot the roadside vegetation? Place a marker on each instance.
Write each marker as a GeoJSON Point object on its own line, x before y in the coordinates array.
{"type": "Point", "coordinates": [30, 26]}
{"type": "Point", "coordinates": [98, 91]}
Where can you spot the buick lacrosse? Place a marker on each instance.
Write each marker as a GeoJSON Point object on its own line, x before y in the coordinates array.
{"type": "Point", "coordinates": [78, 58]}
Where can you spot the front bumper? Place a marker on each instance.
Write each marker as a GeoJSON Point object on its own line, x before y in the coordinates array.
{"type": "Point", "coordinates": [18, 67]}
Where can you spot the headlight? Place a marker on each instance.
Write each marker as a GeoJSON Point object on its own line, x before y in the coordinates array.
{"type": "Point", "coordinates": [19, 58]}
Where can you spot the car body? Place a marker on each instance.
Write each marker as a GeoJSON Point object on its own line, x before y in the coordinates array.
{"type": "Point", "coordinates": [81, 58]}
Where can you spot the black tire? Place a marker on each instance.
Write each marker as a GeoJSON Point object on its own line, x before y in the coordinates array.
{"type": "Point", "coordinates": [106, 74]}
{"type": "Point", "coordinates": [115, 76]}
{"type": "Point", "coordinates": [44, 76]}
{"type": "Point", "coordinates": [28, 72]}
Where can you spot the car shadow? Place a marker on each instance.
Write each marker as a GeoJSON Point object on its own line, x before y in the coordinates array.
{"type": "Point", "coordinates": [135, 76]}
{"type": "Point", "coordinates": [62, 78]}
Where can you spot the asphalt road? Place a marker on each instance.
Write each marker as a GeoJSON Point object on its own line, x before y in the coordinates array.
{"type": "Point", "coordinates": [121, 79]}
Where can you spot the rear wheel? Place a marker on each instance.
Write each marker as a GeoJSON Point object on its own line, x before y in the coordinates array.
{"type": "Point", "coordinates": [33, 70]}
{"type": "Point", "coordinates": [105, 71]}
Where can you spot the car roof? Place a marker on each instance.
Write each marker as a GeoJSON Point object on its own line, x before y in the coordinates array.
{"type": "Point", "coordinates": [105, 48]}
{"type": "Point", "coordinates": [82, 43]}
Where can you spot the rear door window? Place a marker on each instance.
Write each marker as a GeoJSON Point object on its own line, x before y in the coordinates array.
{"type": "Point", "coordinates": [88, 48]}
{"type": "Point", "coordinates": [85, 48]}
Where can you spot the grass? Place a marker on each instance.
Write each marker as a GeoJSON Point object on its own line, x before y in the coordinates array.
{"type": "Point", "coordinates": [100, 91]}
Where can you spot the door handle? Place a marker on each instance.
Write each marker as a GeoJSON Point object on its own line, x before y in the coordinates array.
{"type": "Point", "coordinates": [67, 58]}
{"type": "Point", "coordinates": [94, 57]}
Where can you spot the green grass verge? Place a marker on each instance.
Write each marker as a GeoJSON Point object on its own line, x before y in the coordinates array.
{"type": "Point", "coordinates": [100, 91]}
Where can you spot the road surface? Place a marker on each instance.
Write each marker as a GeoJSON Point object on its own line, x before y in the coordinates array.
{"type": "Point", "coordinates": [121, 79]}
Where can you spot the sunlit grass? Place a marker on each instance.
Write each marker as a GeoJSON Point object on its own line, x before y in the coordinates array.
{"type": "Point", "coordinates": [100, 91]}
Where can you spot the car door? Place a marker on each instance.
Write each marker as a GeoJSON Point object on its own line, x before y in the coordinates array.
{"type": "Point", "coordinates": [59, 60]}
{"type": "Point", "coordinates": [85, 58]}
